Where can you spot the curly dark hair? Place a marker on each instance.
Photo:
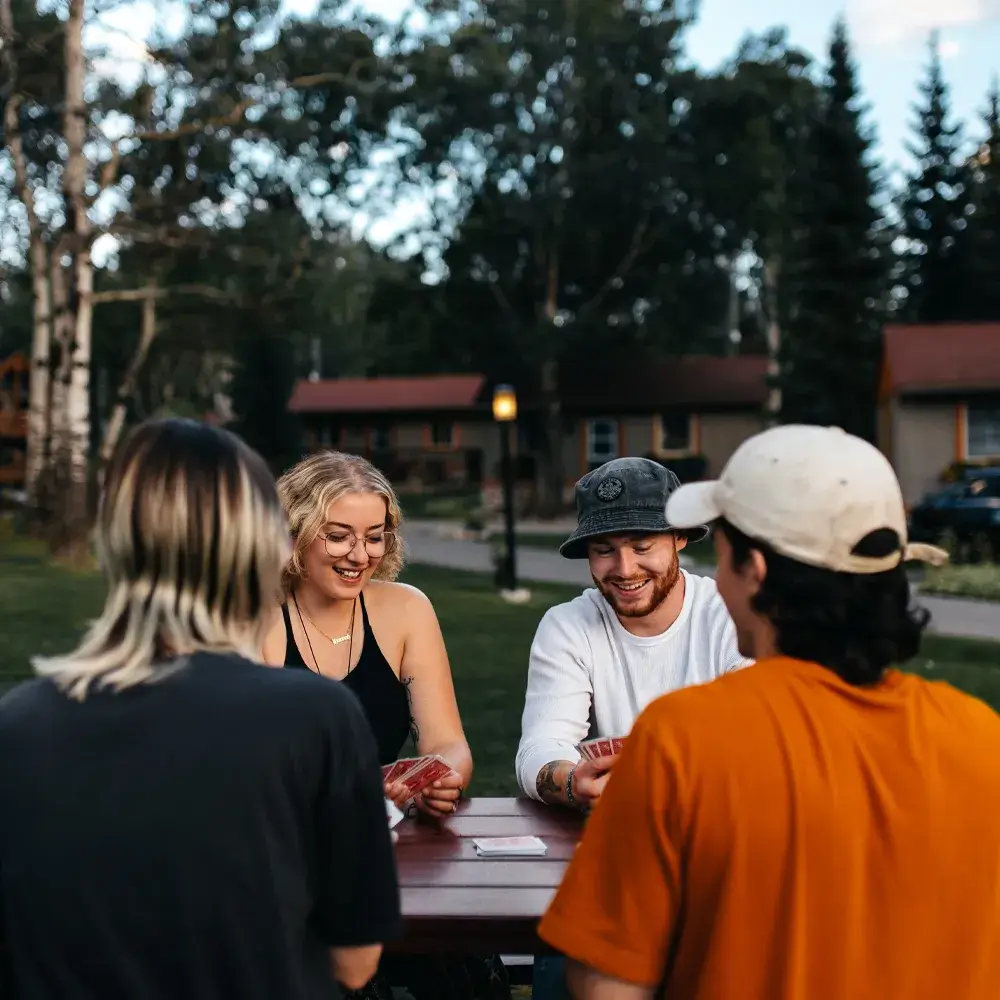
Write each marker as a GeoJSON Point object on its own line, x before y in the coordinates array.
{"type": "Point", "coordinates": [856, 625]}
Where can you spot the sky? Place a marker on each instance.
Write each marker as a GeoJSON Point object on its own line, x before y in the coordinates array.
{"type": "Point", "coordinates": [890, 40]}
{"type": "Point", "coordinates": [889, 36]}
{"type": "Point", "coordinates": [890, 46]}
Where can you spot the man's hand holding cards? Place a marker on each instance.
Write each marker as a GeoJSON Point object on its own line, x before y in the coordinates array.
{"type": "Point", "coordinates": [591, 774]}
{"type": "Point", "coordinates": [430, 781]}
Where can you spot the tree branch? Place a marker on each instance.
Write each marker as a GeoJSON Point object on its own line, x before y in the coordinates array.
{"type": "Point", "coordinates": [638, 246]}
{"type": "Point", "coordinates": [484, 265]}
{"type": "Point", "coordinates": [126, 390]}
{"type": "Point", "coordinates": [155, 292]}
{"type": "Point", "coordinates": [175, 237]}
{"type": "Point", "coordinates": [12, 118]}
{"type": "Point", "coordinates": [109, 172]}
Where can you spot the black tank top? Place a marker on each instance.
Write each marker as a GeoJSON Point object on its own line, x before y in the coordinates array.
{"type": "Point", "coordinates": [374, 682]}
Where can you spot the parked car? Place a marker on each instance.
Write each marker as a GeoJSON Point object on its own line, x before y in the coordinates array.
{"type": "Point", "coordinates": [963, 517]}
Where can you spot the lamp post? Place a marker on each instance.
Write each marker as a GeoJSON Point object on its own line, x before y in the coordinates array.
{"type": "Point", "coordinates": [505, 413]}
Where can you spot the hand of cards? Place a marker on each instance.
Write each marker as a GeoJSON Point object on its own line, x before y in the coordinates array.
{"type": "Point", "coordinates": [600, 747]}
{"type": "Point", "coordinates": [416, 773]}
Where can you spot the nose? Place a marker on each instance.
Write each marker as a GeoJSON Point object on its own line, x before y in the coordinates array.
{"type": "Point", "coordinates": [354, 555]}
{"type": "Point", "coordinates": [626, 563]}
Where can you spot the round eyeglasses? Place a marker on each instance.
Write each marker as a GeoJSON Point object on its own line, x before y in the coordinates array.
{"type": "Point", "coordinates": [343, 542]}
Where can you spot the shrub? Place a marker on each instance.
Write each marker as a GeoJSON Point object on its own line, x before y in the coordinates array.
{"type": "Point", "coordinates": [982, 581]}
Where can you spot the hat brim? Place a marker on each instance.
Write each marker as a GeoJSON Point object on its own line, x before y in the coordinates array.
{"type": "Point", "coordinates": [694, 505]}
{"type": "Point", "coordinates": [652, 521]}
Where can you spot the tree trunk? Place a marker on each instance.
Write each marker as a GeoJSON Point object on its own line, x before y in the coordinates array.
{"type": "Point", "coordinates": [126, 389]}
{"type": "Point", "coordinates": [40, 371]}
{"type": "Point", "coordinates": [53, 479]}
{"type": "Point", "coordinates": [39, 430]}
{"type": "Point", "coordinates": [550, 502]}
{"type": "Point", "coordinates": [71, 398]}
{"type": "Point", "coordinates": [773, 335]}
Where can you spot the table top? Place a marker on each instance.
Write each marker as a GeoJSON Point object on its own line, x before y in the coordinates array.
{"type": "Point", "coordinates": [453, 900]}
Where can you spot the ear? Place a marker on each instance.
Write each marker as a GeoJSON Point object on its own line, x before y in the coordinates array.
{"type": "Point", "coordinates": [680, 541]}
{"type": "Point", "coordinates": [755, 570]}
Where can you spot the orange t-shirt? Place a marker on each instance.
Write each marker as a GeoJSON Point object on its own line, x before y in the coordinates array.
{"type": "Point", "coordinates": [781, 835]}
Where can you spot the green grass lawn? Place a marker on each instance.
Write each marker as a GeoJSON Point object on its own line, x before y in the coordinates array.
{"type": "Point", "coordinates": [43, 609]}
{"type": "Point", "coordinates": [447, 506]}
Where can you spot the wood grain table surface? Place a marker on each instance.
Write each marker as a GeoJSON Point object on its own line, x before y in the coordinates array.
{"type": "Point", "coordinates": [457, 902]}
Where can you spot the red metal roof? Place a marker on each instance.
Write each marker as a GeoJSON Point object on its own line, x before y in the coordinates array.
{"type": "Point", "coordinates": [941, 357]}
{"type": "Point", "coordinates": [387, 393]}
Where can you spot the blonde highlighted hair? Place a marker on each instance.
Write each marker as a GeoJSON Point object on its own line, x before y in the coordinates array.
{"type": "Point", "coordinates": [308, 489]}
{"type": "Point", "coordinates": [192, 540]}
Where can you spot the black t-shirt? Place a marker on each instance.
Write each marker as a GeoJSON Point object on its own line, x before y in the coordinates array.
{"type": "Point", "coordinates": [206, 837]}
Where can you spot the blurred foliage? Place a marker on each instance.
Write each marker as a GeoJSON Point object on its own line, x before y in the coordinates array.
{"type": "Point", "coordinates": [581, 191]}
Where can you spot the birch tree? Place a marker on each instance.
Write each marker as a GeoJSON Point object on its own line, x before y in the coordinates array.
{"type": "Point", "coordinates": [244, 102]}
{"type": "Point", "coordinates": [24, 188]}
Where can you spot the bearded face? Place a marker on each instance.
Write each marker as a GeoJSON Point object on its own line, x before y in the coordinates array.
{"type": "Point", "coordinates": [635, 573]}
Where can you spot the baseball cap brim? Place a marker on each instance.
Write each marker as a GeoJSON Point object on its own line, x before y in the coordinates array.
{"type": "Point", "coordinates": [622, 522]}
{"type": "Point", "coordinates": [693, 505]}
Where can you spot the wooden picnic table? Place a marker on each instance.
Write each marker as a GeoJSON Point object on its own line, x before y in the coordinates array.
{"type": "Point", "coordinates": [456, 902]}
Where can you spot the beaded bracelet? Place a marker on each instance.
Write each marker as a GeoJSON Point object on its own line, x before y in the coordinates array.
{"type": "Point", "coordinates": [569, 787]}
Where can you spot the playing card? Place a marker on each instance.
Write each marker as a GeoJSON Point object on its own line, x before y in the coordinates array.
{"type": "Point", "coordinates": [494, 847]}
{"type": "Point", "coordinates": [394, 771]}
{"type": "Point", "coordinates": [393, 813]}
{"type": "Point", "coordinates": [425, 772]}
{"type": "Point", "coordinates": [601, 746]}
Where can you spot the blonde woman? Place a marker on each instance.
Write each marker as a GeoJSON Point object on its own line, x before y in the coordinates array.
{"type": "Point", "coordinates": [178, 820]}
{"type": "Point", "coordinates": [346, 618]}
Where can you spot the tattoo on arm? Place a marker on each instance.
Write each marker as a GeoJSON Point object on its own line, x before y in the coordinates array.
{"type": "Point", "coordinates": [414, 728]}
{"type": "Point", "coordinates": [546, 784]}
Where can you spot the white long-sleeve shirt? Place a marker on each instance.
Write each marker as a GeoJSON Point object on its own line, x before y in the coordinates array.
{"type": "Point", "coordinates": [588, 676]}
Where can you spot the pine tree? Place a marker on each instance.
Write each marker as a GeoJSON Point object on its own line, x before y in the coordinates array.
{"type": "Point", "coordinates": [935, 208]}
{"type": "Point", "coordinates": [984, 224]}
{"type": "Point", "coordinates": [832, 341]}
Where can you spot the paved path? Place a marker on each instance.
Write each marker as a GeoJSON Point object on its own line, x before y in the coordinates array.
{"type": "Point", "coordinates": [949, 615]}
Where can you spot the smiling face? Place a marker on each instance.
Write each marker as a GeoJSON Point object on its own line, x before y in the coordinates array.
{"type": "Point", "coordinates": [351, 543]}
{"type": "Point", "coordinates": [635, 573]}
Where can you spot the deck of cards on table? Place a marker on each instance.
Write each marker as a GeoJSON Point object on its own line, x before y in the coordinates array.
{"type": "Point", "coordinates": [416, 773]}
{"type": "Point", "coordinates": [510, 847]}
{"type": "Point", "coordinates": [600, 747]}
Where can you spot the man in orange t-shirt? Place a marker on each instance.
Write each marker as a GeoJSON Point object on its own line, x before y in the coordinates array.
{"type": "Point", "coordinates": [821, 827]}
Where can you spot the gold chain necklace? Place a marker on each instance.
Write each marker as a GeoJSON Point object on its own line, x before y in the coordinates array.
{"type": "Point", "coordinates": [335, 639]}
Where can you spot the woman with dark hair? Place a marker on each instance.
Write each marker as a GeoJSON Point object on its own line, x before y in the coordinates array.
{"type": "Point", "coordinates": [176, 819]}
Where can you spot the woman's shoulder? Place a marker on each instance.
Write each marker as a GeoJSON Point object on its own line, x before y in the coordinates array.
{"type": "Point", "coordinates": [400, 609]}
{"type": "Point", "coordinates": [393, 594]}
{"type": "Point", "coordinates": [275, 643]}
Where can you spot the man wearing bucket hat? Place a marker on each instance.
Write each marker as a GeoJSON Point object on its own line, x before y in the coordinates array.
{"type": "Point", "coordinates": [821, 826]}
{"type": "Point", "coordinates": [647, 627]}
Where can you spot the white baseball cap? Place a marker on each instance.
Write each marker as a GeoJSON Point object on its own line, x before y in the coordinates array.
{"type": "Point", "coordinates": [811, 494]}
